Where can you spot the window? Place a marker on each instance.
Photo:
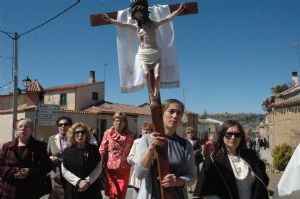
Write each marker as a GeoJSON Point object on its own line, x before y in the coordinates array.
{"type": "Point", "coordinates": [63, 99]}
{"type": "Point", "coordinates": [41, 98]}
{"type": "Point", "coordinates": [94, 96]}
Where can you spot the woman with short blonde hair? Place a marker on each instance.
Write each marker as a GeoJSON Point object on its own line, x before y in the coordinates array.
{"type": "Point", "coordinates": [71, 134]}
{"type": "Point", "coordinates": [81, 165]}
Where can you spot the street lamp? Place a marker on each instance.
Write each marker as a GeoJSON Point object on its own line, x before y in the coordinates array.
{"type": "Point", "coordinates": [27, 83]}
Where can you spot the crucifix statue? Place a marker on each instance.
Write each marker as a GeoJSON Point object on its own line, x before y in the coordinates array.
{"type": "Point", "coordinates": [151, 63]}
{"type": "Point", "coordinates": [149, 53]}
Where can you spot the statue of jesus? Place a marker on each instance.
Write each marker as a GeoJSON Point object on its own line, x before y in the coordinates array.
{"type": "Point", "coordinates": [149, 53]}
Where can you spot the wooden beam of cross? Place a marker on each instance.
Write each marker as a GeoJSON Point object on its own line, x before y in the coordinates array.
{"type": "Point", "coordinates": [156, 111]}
{"type": "Point", "coordinates": [97, 19]}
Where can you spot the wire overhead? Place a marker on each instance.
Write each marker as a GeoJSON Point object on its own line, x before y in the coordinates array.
{"type": "Point", "coordinates": [11, 35]}
{"type": "Point", "coordinates": [44, 23]}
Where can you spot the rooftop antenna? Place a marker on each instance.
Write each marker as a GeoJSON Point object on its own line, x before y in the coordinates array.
{"type": "Point", "coordinates": [297, 45]}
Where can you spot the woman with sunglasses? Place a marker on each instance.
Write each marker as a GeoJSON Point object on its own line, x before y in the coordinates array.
{"type": "Point", "coordinates": [56, 145]}
{"type": "Point", "coordinates": [81, 165]}
{"type": "Point", "coordinates": [232, 171]}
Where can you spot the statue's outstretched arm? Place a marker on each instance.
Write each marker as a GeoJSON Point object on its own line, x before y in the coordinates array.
{"type": "Point", "coordinates": [171, 16]}
{"type": "Point", "coordinates": [125, 25]}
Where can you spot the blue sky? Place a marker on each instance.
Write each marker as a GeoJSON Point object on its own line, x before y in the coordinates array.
{"type": "Point", "coordinates": [230, 54]}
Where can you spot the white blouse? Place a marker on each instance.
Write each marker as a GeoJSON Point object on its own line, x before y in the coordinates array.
{"type": "Point", "coordinates": [244, 176]}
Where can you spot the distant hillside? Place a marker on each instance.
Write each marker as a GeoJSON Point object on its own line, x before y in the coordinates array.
{"type": "Point", "coordinates": [248, 120]}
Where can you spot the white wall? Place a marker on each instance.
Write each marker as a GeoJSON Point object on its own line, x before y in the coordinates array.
{"type": "Point", "coordinates": [6, 126]}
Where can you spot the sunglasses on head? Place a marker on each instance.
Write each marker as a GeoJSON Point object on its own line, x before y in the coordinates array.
{"type": "Point", "coordinates": [230, 134]}
{"type": "Point", "coordinates": [63, 124]}
{"type": "Point", "coordinates": [82, 132]}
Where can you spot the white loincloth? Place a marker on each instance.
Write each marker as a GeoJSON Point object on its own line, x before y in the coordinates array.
{"type": "Point", "coordinates": [131, 72]}
{"type": "Point", "coordinates": [149, 56]}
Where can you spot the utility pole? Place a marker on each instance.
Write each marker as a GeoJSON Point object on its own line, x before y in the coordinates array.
{"type": "Point", "coordinates": [15, 80]}
{"type": "Point", "coordinates": [15, 36]}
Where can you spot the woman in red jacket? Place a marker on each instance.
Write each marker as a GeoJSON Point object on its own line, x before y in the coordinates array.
{"type": "Point", "coordinates": [114, 149]}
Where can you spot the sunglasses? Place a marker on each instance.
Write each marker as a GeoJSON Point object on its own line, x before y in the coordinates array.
{"type": "Point", "coordinates": [229, 135]}
{"type": "Point", "coordinates": [80, 132]}
{"type": "Point", "coordinates": [63, 124]}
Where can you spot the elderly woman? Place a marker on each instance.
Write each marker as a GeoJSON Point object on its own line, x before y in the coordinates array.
{"type": "Point", "coordinates": [146, 128]}
{"type": "Point", "coordinates": [232, 171]}
{"type": "Point", "coordinates": [180, 154]}
{"type": "Point", "coordinates": [23, 164]}
{"type": "Point", "coordinates": [114, 149]}
{"type": "Point", "coordinates": [81, 165]}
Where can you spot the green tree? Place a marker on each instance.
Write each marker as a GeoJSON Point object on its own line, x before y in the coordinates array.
{"type": "Point", "coordinates": [281, 156]}
{"type": "Point", "coordinates": [279, 88]}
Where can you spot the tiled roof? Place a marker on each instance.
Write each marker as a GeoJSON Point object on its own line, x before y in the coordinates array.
{"type": "Point", "coordinates": [22, 107]}
{"type": "Point", "coordinates": [77, 112]}
{"type": "Point", "coordinates": [288, 102]}
{"type": "Point", "coordinates": [68, 86]}
{"type": "Point", "coordinates": [291, 90]}
{"type": "Point", "coordinates": [279, 101]}
{"type": "Point", "coordinates": [107, 107]}
{"type": "Point", "coordinates": [35, 87]}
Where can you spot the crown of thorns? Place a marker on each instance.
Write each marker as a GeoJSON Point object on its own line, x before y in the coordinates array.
{"type": "Point", "coordinates": [139, 5]}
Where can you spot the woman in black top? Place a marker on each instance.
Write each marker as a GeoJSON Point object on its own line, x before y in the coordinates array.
{"type": "Point", "coordinates": [232, 171]}
{"type": "Point", "coordinates": [81, 165]}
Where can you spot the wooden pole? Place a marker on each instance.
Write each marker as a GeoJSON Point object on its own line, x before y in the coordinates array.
{"type": "Point", "coordinates": [161, 152]}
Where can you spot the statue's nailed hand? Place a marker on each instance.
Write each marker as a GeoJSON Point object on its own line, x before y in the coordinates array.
{"type": "Point", "coordinates": [182, 6]}
{"type": "Point", "coordinates": [106, 17]}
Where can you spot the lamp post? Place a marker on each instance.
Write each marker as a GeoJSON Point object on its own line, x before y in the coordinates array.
{"type": "Point", "coordinates": [26, 83]}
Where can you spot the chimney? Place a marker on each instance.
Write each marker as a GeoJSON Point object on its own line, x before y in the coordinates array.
{"type": "Point", "coordinates": [92, 78]}
{"type": "Point", "coordinates": [294, 78]}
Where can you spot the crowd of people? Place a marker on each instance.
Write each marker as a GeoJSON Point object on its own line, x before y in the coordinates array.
{"type": "Point", "coordinates": [77, 164]}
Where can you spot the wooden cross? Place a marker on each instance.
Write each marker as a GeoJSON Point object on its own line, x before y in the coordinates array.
{"type": "Point", "coordinates": [156, 111]}
{"type": "Point", "coordinates": [190, 8]}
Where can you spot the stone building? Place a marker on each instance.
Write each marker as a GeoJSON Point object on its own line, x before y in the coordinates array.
{"type": "Point", "coordinates": [206, 127]}
{"type": "Point", "coordinates": [84, 102]}
{"type": "Point", "coordinates": [282, 121]}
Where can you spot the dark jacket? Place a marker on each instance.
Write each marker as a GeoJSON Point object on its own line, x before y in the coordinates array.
{"type": "Point", "coordinates": [197, 150]}
{"type": "Point", "coordinates": [35, 158]}
{"type": "Point", "coordinates": [81, 163]}
{"type": "Point", "coordinates": [217, 177]}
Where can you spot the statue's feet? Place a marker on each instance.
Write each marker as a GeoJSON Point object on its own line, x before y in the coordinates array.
{"type": "Point", "coordinates": [153, 102]}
